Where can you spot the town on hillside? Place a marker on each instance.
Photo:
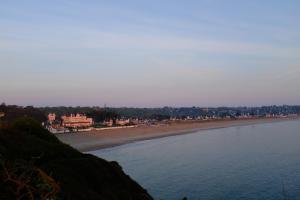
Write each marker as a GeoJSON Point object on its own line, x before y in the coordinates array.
{"type": "Point", "coordinates": [113, 118]}
{"type": "Point", "coordinates": [81, 119]}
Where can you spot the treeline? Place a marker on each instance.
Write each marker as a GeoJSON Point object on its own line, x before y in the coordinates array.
{"type": "Point", "coordinates": [100, 114]}
{"type": "Point", "coordinates": [167, 112]}
{"type": "Point", "coordinates": [65, 110]}
{"type": "Point", "coordinates": [12, 112]}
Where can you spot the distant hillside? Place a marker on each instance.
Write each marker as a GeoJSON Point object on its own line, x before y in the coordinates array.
{"type": "Point", "coordinates": [180, 112]}
{"type": "Point", "coordinates": [34, 164]}
{"type": "Point", "coordinates": [12, 112]}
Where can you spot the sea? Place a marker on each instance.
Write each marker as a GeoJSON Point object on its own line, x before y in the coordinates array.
{"type": "Point", "coordinates": [252, 162]}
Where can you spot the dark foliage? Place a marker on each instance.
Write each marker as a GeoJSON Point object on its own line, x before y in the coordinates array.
{"type": "Point", "coordinates": [22, 180]}
{"type": "Point", "coordinates": [160, 117]}
{"type": "Point", "coordinates": [102, 115]}
{"type": "Point", "coordinates": [79, 176]}
{"type": "Point", "coordinates": [180, 112]}
{"type": "Point", "coordinates": [12, 112]}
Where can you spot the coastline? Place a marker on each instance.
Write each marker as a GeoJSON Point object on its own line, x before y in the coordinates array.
{"type": "Point", "coordinates": [95, 140]}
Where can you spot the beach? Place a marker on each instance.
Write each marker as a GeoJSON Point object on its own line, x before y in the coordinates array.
{"type": "Point", "coordinates": [94, 140]}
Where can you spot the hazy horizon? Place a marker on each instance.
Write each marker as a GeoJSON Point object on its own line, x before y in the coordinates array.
{"type": "Point", "coordinates": [150, 107]}
{"type": "Point", "coordinates": [204, 53]}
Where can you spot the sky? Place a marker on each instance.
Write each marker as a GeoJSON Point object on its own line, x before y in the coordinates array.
{"type": "Point", "coordinates": [140, 53]}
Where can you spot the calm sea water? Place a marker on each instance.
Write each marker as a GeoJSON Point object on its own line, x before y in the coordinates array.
{"type": "Point", "coordinates": [248, 162]}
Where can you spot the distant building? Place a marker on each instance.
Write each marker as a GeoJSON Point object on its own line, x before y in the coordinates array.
{"type": "Point", "coordinates": [205, 109]}
{"type": "Point", "coordinates": [51, 117]}
{"type": "Point", "coordinates": [76, 121]}
{"type": "Point", "coordinates": [108, 122]}
{"type": "Point", "coordinates": [135, 121]}
{"type": "Point", "coordinates": [188, 118]}
{"type": "Point", "coordinates": [2, 114]}
{"type": "Point", "coordinates": [122, 122]}
{"type": "Point", "coordinates": [173, 118]}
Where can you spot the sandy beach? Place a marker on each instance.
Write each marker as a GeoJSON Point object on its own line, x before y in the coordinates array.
{"type": "Point", "coordinates": [93, 140]}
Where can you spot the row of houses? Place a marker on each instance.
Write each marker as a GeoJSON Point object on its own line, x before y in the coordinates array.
{"type": "Point", "coordinates": [80, 121]}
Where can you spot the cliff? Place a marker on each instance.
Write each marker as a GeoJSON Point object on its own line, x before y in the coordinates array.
{"type": "Point", "coordinates": [36, 165]}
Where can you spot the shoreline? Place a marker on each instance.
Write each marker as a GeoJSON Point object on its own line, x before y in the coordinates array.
{"type": "Point", "coordinates": [96, 140]}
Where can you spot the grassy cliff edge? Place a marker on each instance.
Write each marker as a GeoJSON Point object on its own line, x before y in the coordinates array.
{"type": "Point", "coordinates": [36, 165]}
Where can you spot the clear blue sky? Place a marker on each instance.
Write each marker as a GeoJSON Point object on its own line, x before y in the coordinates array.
{"type": "Point", "coordinates": [150, 53]}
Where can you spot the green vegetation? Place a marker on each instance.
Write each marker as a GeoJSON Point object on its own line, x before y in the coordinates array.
{"type": "Point", "coordinates": [36, 165]}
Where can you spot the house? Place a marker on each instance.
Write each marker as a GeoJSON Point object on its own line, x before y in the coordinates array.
{"type": "Point", "coordinates": [108, 122]}
{"type": "Point", "coordinates": [122, 122]}
{"type": "Point", "coordinates": [51, 117]}
{"type": "Point", "coordinates": [76, 121]}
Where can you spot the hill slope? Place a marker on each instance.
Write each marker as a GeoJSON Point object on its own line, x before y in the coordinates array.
{"type": "Point", "coordinates": [31, 156]}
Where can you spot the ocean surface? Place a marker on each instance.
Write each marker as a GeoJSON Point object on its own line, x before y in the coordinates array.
{"type": "Point", "coordinates": [259, 161]}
